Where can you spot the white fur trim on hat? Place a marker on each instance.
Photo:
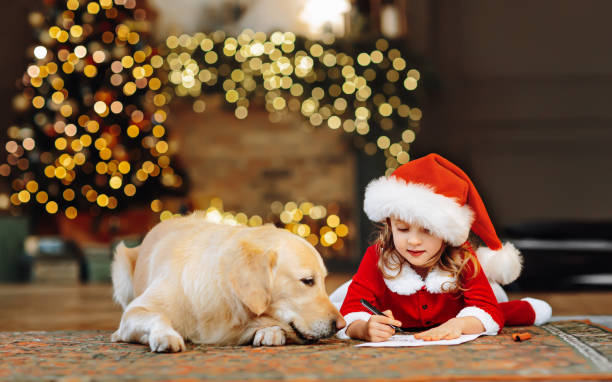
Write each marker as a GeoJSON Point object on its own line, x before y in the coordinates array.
{"type": "Point", "coordinates": [350, 318]}
{"type": "Point", "coordinates": [409, 282]}
{"type": "Point", "coordinates": [502, 266]}
{"type": "Point", "coordinates": [543, 311]}
{"type": "Point", "coordinates": [491, 327]}
{"type": "Point", "coordinates": [418, 203]}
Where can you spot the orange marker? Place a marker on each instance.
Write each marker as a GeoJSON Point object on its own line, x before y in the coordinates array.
{"type": "Point", "coordinates": [521, 336]}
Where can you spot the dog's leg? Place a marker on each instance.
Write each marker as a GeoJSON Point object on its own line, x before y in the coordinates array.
{"type": "Point", "coordinates": [270, 336]}
{"type": "Point", "coordinates": [140, 324]}
{"type": "Point", "coordinates": [264, 331]}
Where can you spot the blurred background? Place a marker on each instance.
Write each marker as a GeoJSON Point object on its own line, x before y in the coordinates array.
{"type": "Point", "coordinates": [120, 113]}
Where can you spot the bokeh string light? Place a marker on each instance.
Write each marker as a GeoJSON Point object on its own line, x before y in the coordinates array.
{"type": "Point", "coordinates": [369, 92]}
{"type": "Point", "coordinates": [96, 96]}
{"type": "Point", "coordinates": [90, 137]}
{"type": "Point", "coordinates": [320, 225]}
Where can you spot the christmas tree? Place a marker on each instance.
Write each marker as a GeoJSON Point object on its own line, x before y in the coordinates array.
{"type": "Point", "coordinates": [92, 134]}
{"type": "Point", "coordinates": [91, 137]}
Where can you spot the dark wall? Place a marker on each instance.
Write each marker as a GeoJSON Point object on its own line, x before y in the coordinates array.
{"type": "Point", "coordinates": [524, 105]}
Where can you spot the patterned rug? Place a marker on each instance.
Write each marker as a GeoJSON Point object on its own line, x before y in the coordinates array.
{"type": "Point", "coordinates": [557, 351]}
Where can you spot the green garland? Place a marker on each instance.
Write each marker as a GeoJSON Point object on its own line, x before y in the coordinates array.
{"type": "Point", "coordinates": [368, 89]}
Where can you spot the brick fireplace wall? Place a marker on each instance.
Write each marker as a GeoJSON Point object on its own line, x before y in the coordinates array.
{"type": "Point", "coordinates": [251, 163]}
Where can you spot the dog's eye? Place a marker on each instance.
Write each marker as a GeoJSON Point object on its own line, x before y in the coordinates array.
{"type": "Point", "coordinates": [308, 281]}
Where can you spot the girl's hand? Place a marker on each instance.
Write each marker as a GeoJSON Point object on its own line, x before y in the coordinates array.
{"type": "Point", "coordinates": [449, 330]}
{"type": "Point", "coordinates": [377, 328]}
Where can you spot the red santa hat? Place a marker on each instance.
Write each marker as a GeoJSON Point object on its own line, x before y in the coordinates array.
{"type": "Point", "coordinates": [436, 194]}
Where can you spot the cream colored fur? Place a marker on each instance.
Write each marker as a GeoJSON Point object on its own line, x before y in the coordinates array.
{"type": "Point", "coordinates": [122, 271]}
{"type": "Point", "coordinates": [218, 284]}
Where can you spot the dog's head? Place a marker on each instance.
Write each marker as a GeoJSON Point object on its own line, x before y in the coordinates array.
{"type": "Point", "coordinates": [283, 276]}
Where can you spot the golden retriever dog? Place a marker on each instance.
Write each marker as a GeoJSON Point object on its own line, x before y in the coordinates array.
{"type": "Point", "coordinates": [209, 283]}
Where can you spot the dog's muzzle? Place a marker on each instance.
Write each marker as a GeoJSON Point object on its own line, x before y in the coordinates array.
{"type": "Point", "coordinates": [322, 329]}
{"type": "Point", "coordinates": [304, 337]}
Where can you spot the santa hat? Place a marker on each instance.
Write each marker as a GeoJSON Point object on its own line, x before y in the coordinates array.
{"type": "Point", "coordinates": [434, 193]}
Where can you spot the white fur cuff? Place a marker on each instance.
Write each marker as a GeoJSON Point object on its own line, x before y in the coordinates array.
{"type": "Point", "coordinates": [543, 311]}
{"type": "Point", "coordinates": [499, 292]}
{"type": "Point", "coordinates": [491, 327]}
{"type": "Point", "coordinates": [350, 318]}
{"type": "Point", "coordinates": [337, 297]}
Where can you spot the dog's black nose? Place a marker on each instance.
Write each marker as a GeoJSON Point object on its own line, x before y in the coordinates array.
{"type": "Point", "coordinates": [338, 324]}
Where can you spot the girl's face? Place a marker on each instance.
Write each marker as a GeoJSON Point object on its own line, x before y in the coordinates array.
{"type": "Point", "coordinates": [415, 243]}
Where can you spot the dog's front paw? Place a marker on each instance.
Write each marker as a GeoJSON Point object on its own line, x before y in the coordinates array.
{"type": "Point", "coordinates": [166, 341]}
{"type": "Point", "coordinates": [270, 336]}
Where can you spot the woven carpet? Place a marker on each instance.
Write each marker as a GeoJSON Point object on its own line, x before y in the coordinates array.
{"type": "Point", "coordinates": [557, 351]}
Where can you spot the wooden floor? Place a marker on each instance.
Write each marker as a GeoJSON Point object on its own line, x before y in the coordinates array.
{"type": "Point", "coordinates": [79, 307]}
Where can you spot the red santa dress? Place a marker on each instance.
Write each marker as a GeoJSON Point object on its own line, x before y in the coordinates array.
{"type": "Point", "coordinates": [419, 303]}
{"type": "Point", "coordinates": [437, 195]}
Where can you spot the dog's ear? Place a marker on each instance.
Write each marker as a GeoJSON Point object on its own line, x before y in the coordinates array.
{"type": "Point", "coordinates": [251, 276]}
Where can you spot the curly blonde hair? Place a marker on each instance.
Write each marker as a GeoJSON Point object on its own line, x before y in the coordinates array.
{"type": "Point", "coordinates": [451, 259]}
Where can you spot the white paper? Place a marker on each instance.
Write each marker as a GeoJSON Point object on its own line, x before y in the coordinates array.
{"type": "Point", "coordinates": [400, 340]}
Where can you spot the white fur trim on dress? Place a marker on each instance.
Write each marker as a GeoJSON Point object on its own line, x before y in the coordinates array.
{"type": "Point", "coordinates": [350, 318]}
{"type": "Point", "coordinates": [499, 292]}
{"type": "Point", "coordinates": [502, 266]}
{"type": "Point", "coordinates": [409, 282]}
{"type": "Point", "coordinates": [337, 297]}
{"type": "Point", "coordinates": [491, 327]}
{"type": "Point", "coordinates": [543, 311]}
{"type": "Point", "coordinates": [418, 203]}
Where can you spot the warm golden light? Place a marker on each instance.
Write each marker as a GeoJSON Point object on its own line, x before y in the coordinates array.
{"type": "Point", "coordinates": [115, 182]}
{"type": "Point", "coordinates": [364, 93]}
{"type": "Point", "coordinates": [102, 200]}
{"type": "Point", "coordinates": [71, 213]}
{"type": "Point", "coordinates": [100, 107]}
{"type": "Point", "coordinates": [51, 207]}
{"type": "Point", "coordinates": [410, 83]}
{"type": "Point", "coordinates": [68, 194]}
{"type": "Point", "coordinates": [157, 205]}
{"type": "Point", "coordinates": [24, 196]}
{"type": "Point", "coordinates": [129, 190]}
{"type": "Point", "coordinates": [255, 221]}
{"type": "Point", "coordinates": [133, 131]}
{"type": "Point", "coordinates": [32, 186]}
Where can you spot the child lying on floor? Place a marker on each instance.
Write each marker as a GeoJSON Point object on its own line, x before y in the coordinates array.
{"type": "Point", "coordinates": [422, 271]}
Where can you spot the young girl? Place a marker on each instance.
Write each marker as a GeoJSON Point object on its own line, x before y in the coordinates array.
{"type": "Point", "coordinates": [422, 272]}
